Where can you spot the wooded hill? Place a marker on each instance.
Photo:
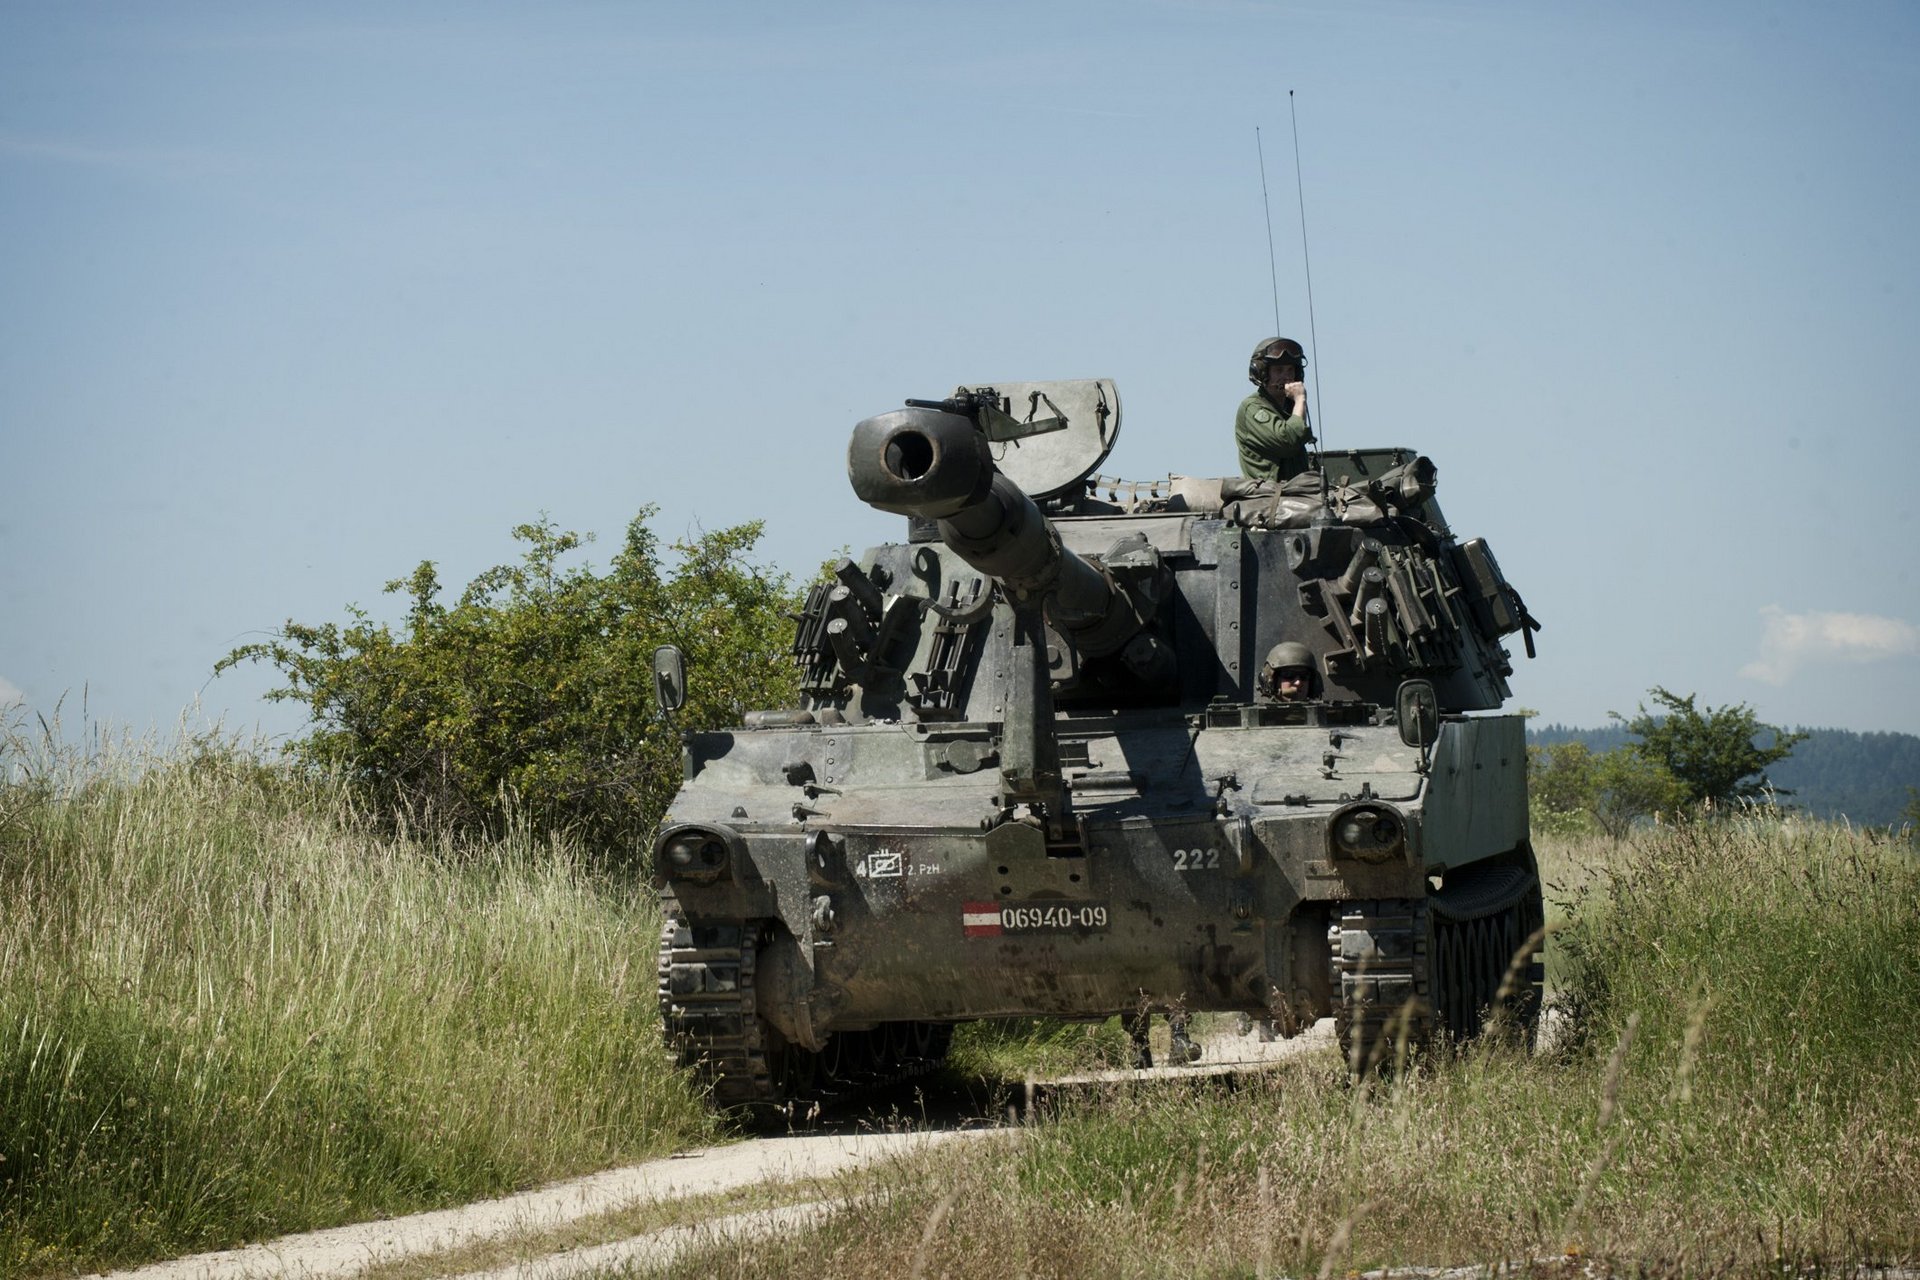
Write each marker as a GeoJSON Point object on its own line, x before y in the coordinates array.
{"type": "Point", "coordinates": [1834, 773]}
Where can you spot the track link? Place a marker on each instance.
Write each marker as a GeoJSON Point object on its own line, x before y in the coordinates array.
{"type": "Point", "coordinates": [1380, 979]}
{"type": "Point", "coordinates": [711, 1021]}
{"type": "Point", "coordinates": [1408, 971]}
{"type": "Point", "coordinates": [707, 1008]}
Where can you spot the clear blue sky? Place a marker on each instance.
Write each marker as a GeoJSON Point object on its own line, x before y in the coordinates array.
{"type": "Point", "coordinates": [295, 296]}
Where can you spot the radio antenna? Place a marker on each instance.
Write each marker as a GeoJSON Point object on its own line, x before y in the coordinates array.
{"type": "Point", "coordinates": [1273, 270]}
{"type": "Point", "coordinates": [1313, 336]}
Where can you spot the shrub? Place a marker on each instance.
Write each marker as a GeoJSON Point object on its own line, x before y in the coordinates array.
{"type": "Point", "coordinates": [1713, 751]}
{"type": "Point", "coordinates": [1571, 790]}
{"type": "Point", "coordinates": [530, 697]}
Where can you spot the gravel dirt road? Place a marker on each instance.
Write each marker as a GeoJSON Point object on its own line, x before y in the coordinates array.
{"type": "Point", "coordinates": [340, 1252]}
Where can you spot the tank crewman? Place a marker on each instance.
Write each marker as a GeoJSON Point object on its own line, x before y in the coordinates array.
{"type": "Point", "coordinates": [1271, 428]}
{"type": "Point", "coordinates": [1287, 674]}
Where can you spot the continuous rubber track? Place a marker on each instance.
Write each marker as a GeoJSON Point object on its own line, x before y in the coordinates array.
{"type": "Point", "coordinates": [1408, 972]}
{"type": "Point", "coordinates": [712, 1024]}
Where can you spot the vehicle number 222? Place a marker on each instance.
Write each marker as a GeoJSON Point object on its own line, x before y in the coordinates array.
{"type": "Point", "coordinates": [1196, 859]}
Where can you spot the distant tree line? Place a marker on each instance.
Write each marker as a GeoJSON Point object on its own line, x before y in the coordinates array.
{"type": "Point", "coordinates": [1866, 778]}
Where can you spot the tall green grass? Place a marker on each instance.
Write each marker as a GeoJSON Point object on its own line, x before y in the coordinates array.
{"type": "Point", "coordinates": [1740, 1092]}
{"type": "Point", "coordinates": [229, 1008]}
{"type": "Point", "coordinates": [1008, 1050]}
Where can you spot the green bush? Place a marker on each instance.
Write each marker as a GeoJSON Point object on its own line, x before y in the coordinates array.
{"type": "Point", "coordinates": [1571, 791]}
{"type": "Point", "coordinates": [530, 697]}
{"type": "Point", "coordinates": [1713, 751]}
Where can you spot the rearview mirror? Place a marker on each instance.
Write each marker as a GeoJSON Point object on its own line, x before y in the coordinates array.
{"type": "Point", "coordinates": [1418, 711]}
{"type": "Point", "coordinates": [669, 679]}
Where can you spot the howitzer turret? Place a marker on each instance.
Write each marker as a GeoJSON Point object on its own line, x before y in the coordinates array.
{"type": "Point", "coordinates": [1043, 763]}
{"type": "Point", "coordinates": [933, 461]}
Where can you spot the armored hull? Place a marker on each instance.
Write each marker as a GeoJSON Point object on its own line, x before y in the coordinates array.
{"type": "Point", "coordinates": [1039, 769]}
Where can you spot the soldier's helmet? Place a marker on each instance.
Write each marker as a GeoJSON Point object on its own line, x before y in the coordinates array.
{"type": "Point", "coordinates": [1274, 349]}
{"type": "Point", "coordinates": [1288, 655]}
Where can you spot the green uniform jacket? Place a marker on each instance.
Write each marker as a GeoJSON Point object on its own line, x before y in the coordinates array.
{"type": "Point", "coordinates": [1272, 446]}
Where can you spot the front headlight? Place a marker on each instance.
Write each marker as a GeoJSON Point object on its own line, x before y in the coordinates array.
{"type": "Point", "coordinates": [694, 853]}
{"type": "Point", "coordinates": [1368, 832]}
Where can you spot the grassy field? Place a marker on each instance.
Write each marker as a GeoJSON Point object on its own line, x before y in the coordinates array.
{"type": "Point", "coordinates": [229, 1009]}
{"type": "Point", "coordinates": [1739, 1092]}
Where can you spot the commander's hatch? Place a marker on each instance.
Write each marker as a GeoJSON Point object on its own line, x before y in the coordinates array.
{"type": "Point", "coordinates": [1048, 437]}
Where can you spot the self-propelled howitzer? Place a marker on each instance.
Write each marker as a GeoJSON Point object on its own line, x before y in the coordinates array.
{"type": "Point", "coordinates": [1041, 767]}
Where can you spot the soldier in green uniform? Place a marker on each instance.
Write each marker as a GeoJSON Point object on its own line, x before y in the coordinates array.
{"type": "Point", "coordinates": [1271, 428]}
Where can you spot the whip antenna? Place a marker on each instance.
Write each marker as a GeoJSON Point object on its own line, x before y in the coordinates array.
{"type": "Point", "coordinates": [1273, 271]}
{"type": "Point", "coordinates": [1313, 337]}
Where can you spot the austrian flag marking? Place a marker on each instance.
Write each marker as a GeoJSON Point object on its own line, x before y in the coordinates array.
{"type": "Point", "coordinates": [980, 919]}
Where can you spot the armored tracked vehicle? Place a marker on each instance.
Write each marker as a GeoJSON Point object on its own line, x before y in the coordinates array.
{"type": "Point", "coordinates": [1046, 764]}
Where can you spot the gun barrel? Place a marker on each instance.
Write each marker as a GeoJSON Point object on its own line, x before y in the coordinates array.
{"type": "Point", "coordinates": [925, 462]}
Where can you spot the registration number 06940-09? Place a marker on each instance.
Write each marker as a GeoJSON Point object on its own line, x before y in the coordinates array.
{"type": "Point", "coordinates": [1064, 915]}
{"type": "Point", "coordinates": [999, 919]}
